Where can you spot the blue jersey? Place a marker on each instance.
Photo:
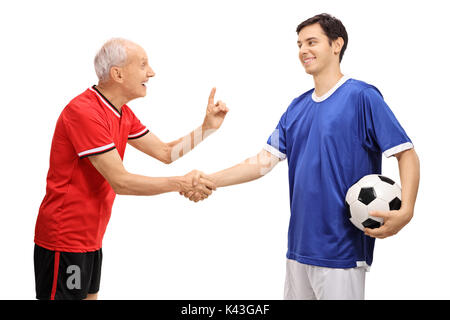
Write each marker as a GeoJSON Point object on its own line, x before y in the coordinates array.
{"type": "Point", "coordinates": [331, 142]}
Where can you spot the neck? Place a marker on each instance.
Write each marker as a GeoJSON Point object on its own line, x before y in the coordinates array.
{"type": "Point", "coordinates": [326, 79]}
{"type": "Point", "coordinates": [113, 94]}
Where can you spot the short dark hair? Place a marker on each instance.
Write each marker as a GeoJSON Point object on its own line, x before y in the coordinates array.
{"type": "Point", "coordinates": [331, 26]}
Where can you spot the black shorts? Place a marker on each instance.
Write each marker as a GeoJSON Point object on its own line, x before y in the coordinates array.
{"type": "Point", "coordinates": [66, 275]}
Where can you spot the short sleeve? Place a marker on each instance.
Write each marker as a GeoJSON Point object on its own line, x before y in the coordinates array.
{"type": "Point", "coordinates": [87, 131]}
{"type": "Point", "coordinates": [276, 144]}
{"type": "Point", "coordinates": [379, 130]}
{"type": "Point", "coordinates": [137, 129]}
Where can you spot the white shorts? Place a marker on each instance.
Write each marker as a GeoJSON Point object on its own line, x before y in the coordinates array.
{"type": "Point", "coordinates": [307, 282]}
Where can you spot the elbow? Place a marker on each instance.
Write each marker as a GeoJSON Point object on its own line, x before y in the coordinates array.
{"type": "Point", "coordinates": [167, 160]}
{"type": "Point", "coordinates": [167, 155]}
{"type": "Point", "coordinates": [119, 185]}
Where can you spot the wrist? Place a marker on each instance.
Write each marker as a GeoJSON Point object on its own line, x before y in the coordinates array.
{"type": "Point", "coordinates": [215, 178]}
{"type": "Point", "coordinates": [177, 183]}
{"type": "Point", "coordinates": [207, 129]}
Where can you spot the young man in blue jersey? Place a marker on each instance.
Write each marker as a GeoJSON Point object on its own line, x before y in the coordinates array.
{"type": "Point", "coordinates": [331, 136]}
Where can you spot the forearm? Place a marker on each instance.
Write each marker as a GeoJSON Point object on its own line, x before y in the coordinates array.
{"type": "Point", "coordinates": [251, 169]}
{"type": "Point", "coordinates": [182, 146]}
{"type": "Point", "coordinates": [240, 173]}
{"type": "Point", "coordinates": [409, 168]}
{"type": "Point", "coordinates": [110, 166]}
{"type": "Point", "coordinates": [133, 184]}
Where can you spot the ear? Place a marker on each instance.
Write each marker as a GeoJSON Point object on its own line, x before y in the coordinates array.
{"type": "Point", "coordinates": [116, 74]}
{"type": "Point", "coordinates": [337, 45]}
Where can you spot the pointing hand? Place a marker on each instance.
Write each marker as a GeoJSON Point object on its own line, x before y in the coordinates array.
{"type": "Point", "coordinates": [215, 113]}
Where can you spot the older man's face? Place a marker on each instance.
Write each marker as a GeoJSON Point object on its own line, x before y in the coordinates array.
{"type": "Point", "coordinates": [136, 72]}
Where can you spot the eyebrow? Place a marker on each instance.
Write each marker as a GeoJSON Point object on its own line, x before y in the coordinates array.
{"type": "Point", "coordinates": [310, 38]}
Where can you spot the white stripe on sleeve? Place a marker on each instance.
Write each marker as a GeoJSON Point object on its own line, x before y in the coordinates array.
{"type": "Point", "coordinates": [99, 149]}
{"type": "Point", "coordinates": [394, 150]}
{"type": "Point", "coordinates": [137, 134]}
{"type": "Point", "coordinates": [274, 151]}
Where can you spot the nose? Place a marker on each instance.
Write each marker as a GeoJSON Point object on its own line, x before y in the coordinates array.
{"type": "Point", "coordinates": [150, 72]}
{"type": "Point", "coordinates": [302, 52]}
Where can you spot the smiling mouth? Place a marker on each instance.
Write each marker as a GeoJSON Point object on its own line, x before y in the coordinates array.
{"type": "Point", "coordinates": [308, 60]}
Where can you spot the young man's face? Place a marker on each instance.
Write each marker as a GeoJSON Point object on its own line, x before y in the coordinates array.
{"type": "Point", "coordinates": [136, 72]}
{"type": "Point", "coordinates": [315, 53]}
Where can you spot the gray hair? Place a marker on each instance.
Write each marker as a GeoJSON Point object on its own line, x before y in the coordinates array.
{"type": "Point", "coordinates": [112, 54]}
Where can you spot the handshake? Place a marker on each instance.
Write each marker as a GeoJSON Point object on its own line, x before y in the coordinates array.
{"type": "Point", "coordinates": [196, 186]}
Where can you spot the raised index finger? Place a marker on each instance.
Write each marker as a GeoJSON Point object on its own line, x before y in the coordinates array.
{"type": "Point", "coordinates": [211, 96]}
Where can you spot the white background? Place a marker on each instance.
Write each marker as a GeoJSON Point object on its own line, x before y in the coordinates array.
{"type": "Point", "coordinates": [233, 245]}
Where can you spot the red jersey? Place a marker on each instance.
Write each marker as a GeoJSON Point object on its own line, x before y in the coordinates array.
{"type": "Point", "coordinates": [77, 206]}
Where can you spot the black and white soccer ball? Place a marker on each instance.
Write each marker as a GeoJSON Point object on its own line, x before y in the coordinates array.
{"type": "Point", "coordinates": [373, 192]}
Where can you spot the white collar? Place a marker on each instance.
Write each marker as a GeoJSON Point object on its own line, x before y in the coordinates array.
{"type": "Point", "coordinates": [331, 91]}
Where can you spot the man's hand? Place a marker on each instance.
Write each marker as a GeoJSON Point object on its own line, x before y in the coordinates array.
{"type": "Point", "coordinates": [197, 185]}
{"type": "Point", "coordinates": [394, 221]}
{"type": "Point", "coordinates": [196, 195]}
{"type": "Point", "coordinates": [215, 113]}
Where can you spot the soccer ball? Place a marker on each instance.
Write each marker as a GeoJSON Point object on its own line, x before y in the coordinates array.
{"type": "Point", "coordinates": [373, 192]}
